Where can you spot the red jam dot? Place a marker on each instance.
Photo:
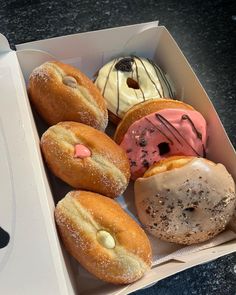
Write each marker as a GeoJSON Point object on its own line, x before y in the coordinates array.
{"type": "Point", "coordinates": [81, 151]}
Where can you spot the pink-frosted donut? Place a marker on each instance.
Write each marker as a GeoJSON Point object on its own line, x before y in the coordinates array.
{"type": "Point", "coordinates": [162, 134]}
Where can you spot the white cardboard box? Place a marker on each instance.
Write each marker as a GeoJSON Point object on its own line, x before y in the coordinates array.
{"type": "Point", "coordinates": [34, 262]}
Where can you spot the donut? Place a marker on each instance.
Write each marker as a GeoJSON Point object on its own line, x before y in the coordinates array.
{"type": "Point", "coordinates": [60, 92]}
{"type": "Point", "coordinates": [86, 158]}
{"type": "Point", "coordinates": [156, 129]}
{"type": "Point", "coordinates": [104, 239]}
{"type": "Point", "coordinates": [232, 223]}
{"type": "Point", "coordinates": [127, 81]}
{"type": "Point", "coordinates": [185, 200]}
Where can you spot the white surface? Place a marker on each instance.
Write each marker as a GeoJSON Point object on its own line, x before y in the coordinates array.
{"type": "Point", "coordinates": [30, 264]}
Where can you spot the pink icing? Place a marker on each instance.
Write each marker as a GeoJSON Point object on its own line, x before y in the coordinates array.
{"type": "Point", "coordinates": [163, 134]}
{"type": "Point", "coordinates": [81, 151]}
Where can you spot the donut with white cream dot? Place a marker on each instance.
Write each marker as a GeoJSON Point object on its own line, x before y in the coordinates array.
{"type": "Point", "coordinates": [102, 237]}
{"type": "Point", "coordinates": [60, 92]}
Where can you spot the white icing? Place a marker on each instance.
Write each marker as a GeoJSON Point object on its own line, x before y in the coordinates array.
{"type": "Point", "coordinates": [152, 82]}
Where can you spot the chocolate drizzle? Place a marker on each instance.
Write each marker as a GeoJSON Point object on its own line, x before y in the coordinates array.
{"type": "Point", "coordinates": [134, 88]}
{"type": "Point", "coordinates": [165, 80]}
{"type": "Point", "coordinates": [198, 133]}
{"type": "Point", "coordinates": [166, 123]}
{"type": "Point", "coordinates": [186, 117]}
{"type": "Point", "coordinates": [159, 130]}
{"type": "Point", "coordinates": [118, 93]}
{"type": "Point", "coordinates": [103, 91]}
{"type": "Point", "coordinates": [136, 69]}
{"type": "Point", "coordinates": [153, 65]}
{"type": "Point", "coordinates": [148, 75]}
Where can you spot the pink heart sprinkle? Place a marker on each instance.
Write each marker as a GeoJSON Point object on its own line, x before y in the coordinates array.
{"type": "Point", "coordinates": [81, 151]}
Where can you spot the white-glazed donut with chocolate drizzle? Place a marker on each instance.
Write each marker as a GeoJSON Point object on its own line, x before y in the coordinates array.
{"type": "Point", "coordinates": [185, 200]}
{"type": "Point", "coordinates": [125, 82]}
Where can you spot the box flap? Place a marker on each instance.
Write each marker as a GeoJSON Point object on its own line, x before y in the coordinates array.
{"type": "Point", "coordinates": [29, 251]}
{"type": "Point", "coordinates": [4, 45]}
{"type": "Point", "coordinates": [29, 59]}
{"type": "Point", "coordinates": [89, 46]}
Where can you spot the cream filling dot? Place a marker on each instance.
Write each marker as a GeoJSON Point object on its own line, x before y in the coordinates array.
{"type": "Point", "coordinates": [105, 239]}
{"type": "Point", "coordinates": [69, 81]}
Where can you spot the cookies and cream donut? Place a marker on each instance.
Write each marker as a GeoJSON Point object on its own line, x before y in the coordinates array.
{"type": "Point", "coordinates": [86, 158]}
{"type": "Point", "coordinates": [185, 200]}
{"type": "Point", "coordinates": [156, 129]}
{"type": "Point", "coordinates": [61, 92]}
{"type": "Point", "coordinates": [102, 237]}
{"type": "Point", "coordinates": [127, 81]}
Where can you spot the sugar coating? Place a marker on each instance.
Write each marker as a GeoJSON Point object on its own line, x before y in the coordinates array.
{"type": "Point", "coordinates": [79, 223]}
{"type": "Point", "coordinates": [58, 144]}
{"type": "Point", "coordinates": [91, 105]}
{"type": "Point", "coordinates": [40, 73]}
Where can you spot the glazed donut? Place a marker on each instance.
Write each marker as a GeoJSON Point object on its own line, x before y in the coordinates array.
{"type": "Point", "coordinates": [127, 81]}
{"type": "Point", "coordinates": [102, 237]}
{"type": "Point", "coordinates": [185, 200]}
{"type": "Point", "coordinates": [86, 158]}
{"type": "Point", "coordinates": [60, 92]}
{"type": "Point", "coordinates": [156, 129]}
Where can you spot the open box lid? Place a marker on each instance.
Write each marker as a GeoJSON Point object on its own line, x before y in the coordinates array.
{"type": "Point", "coordinates": [30, 259]}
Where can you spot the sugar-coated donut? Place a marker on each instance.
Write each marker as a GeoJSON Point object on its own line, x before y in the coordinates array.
{"type": "Point", "coordinates": [156, 129]}
{"type": "Point", "coordinates": [185, 200]}
{"type": "Point", "coordinates": [127, 81]}
{"type": "Point", "coordinates": [86, 158]}
{"type": "Point", "coordinates": [102, 237]}
{"type": "Point", "coordinates": [61, 92]}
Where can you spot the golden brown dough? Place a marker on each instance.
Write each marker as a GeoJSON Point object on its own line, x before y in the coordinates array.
{"type": "Point", "coordinates": [61, 92]}
{"type": "Point", "coordinates": [102, 237]}
{"type": "Point", "coordinates": [106, 171]}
